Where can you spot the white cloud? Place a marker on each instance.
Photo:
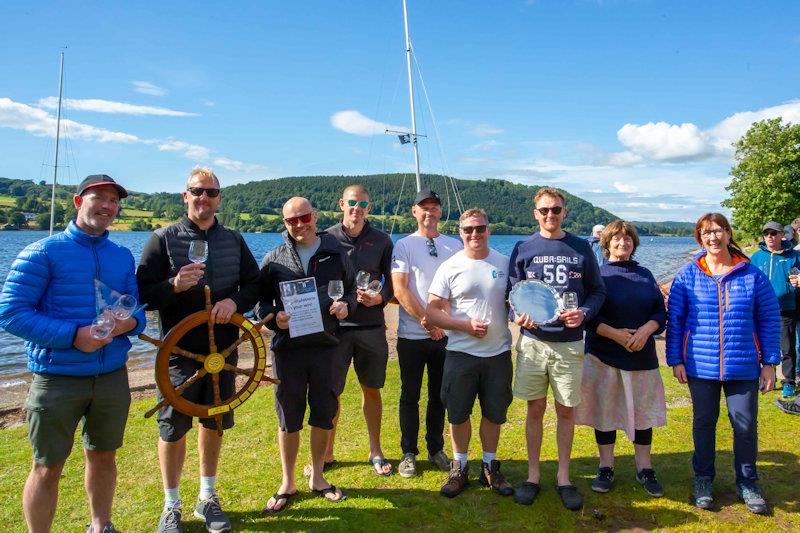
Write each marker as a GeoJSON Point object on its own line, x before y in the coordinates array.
{"type": "Point", "coordinates": [190, 151]}
{"type": "Point", "coordinates": [357, 124]}
{"type": "Point", "coordinates": [484, 130]}
{"type": "Point", "coordinates": [38, 122]}
{"type": "Point", "coordinates": [145, 87]}
{"type": "Point", "coordinates": [665, 142]}
{"type": "Point", "coordinates": [625, 187]}
{"type": "Point", "coordinates": [623, 159]}
{"type": "Point", "coordinates": [208, 103]}
{"type": "Point", "coordinates": [238, 166]}
{"type": "Point", "coordinates": [727, 132]}
{"type": "Point", "coordinates": [486, 146]}
{"type": "Point", "coordinates": [107, 106]}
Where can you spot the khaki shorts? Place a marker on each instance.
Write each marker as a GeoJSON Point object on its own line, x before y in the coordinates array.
{"type": "Point", "coordinates": [542, 363]}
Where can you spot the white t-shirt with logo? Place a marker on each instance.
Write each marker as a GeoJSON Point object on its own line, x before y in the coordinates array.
{"type": "Point", "coordinates": [411, 255]}
{"type": "Point", "coordinates": [470, 285]}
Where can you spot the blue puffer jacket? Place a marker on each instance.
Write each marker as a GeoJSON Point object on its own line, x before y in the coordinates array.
{"type": "Point", "coordinates": [777, 266]}
{"type": "Point", "coordinates": [722, 330]}
{"type": "Point", "coordinates": [49, 293]}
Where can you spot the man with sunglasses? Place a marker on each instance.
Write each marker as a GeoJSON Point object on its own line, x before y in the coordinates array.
{"type": "Point", "coordinates": [173, 285]}
{"type": "Point", "coordinates": [305, 364]}
{"type": "Point", "coordinates": [467, 298]}
{"type": "Point", "coordinates": [419, 345]}
{"type": "Point", "coordinates": [363, 334]}
{"type": "Point", "coordinates": [776, 258]}
{"type": "Point", "coordinates": [552, 354]}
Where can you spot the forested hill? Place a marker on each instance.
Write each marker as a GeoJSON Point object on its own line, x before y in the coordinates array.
{"type": "Point", "coordinates": [509, 205]}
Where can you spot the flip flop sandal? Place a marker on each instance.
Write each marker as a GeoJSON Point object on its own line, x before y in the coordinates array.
{"type": "Point", "coordinates": [380, 462]}
{"type": "Point", "coordinates": [330, 490]}
{"type": "Point", "coordinates": [278, 497]}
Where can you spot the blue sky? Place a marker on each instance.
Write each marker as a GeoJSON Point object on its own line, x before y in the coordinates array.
{"type": "Point", "coordinates": [632, 105]}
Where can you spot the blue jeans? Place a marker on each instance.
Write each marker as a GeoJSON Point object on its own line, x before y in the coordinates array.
{"type": "Point", "coordinates": [742, 399]}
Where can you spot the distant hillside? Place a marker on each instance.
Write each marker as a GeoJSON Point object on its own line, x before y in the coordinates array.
{"type": "Point", "coordinates": [255, 206]}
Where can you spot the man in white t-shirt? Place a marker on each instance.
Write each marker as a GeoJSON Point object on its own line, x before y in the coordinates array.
{"type": "Point", "coordinates": [467, 298]}
{"type": "Point", "coordinates": [414, 262]}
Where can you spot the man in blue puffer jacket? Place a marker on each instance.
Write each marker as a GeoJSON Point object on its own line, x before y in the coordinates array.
{"type": "Point", "coordinates": [776, 258]}
{"type": "Point", "coordinates": [49, 300]}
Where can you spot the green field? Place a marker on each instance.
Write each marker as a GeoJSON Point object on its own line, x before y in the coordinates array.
{"type": "Point", "coordinates": [250, 473]}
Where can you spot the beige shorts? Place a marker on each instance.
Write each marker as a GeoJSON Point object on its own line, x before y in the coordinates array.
{"type": "Point", "coordinates": [542, 363]}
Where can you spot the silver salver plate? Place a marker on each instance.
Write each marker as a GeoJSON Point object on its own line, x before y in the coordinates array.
{"type": "Point", "coordinates": [537, 299]}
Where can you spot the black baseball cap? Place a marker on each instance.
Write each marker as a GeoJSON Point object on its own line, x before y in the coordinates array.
{"type": "Point", "coordinates": [97, 180]}
{"type": "Point", "coordinates": [427, 194]}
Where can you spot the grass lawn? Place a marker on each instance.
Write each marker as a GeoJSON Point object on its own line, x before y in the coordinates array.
{"type": "Point", "coordinates": [8, 201]}
{"type": "Point", "coordinates": [250, 473]}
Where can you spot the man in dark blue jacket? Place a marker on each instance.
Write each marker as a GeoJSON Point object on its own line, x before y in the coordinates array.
{"type": "Point", "coordinates": [552, 354]}
{"type": "Point", "coordinates": [49, 300]}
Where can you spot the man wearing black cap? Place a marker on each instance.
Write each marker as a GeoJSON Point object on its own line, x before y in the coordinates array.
{"type": "Point", "coordinates": [414, 262]}
{"type": "Point", "coordinates": [173, 285]}
{"type": "Point", "coordinates": [776, 258]}
{"type": "Point", "coordinates": [49, 300]}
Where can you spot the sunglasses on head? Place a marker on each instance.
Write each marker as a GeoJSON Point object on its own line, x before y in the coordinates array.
{"type": "Point", "coordinates": [469, 229]}
{"type": "Point", "coordinates": [770, 233]}
{"type": "Point", "coordinates": [293, 221]}
{"type": "Point", "coordinates": [198, 191]}
{"type": "Point", "coordinates": [432, 248]}
{"type": "Point", "coordinates": [363, 204]}
{"type": "Point", "coordinates": [544, 210]}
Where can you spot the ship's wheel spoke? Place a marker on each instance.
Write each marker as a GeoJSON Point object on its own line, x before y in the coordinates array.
{"type": "Point", "coordinates": [237, 370]}
{"type": "Point", "coordinates": [189, 355]}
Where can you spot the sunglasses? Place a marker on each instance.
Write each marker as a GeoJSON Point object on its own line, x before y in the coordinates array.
{"type": "Point", "coordinates": [544, 210]}
{"type": "Point", "coordinates": [432, 248]}
{"type": "Point", "coordinates": [469, 229]}
{"type": "Point", "coordinates": [363, 204]}
{"type": "Point", "coordinates": [198, 191]}
{"type": "Point", "coordinates": [293, 221]}
{"type": "Point", "coordinates": [770, 233]}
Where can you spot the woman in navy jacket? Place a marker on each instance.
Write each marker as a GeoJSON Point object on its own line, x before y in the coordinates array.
{"type": "Point", "coordinates": [723, 333]}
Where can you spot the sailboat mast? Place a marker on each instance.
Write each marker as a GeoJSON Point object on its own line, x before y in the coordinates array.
{"type": "Point", "coordinates": [411, 96]}
{"type": "Point", "coordinates": [58, 132]}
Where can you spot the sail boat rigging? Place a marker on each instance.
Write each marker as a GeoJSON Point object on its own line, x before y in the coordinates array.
{"type": "Point", "coordinates": [55, 157]}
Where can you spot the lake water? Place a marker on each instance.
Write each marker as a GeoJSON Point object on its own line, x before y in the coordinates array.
{"type": "Point", "coordinates": [662, 255]}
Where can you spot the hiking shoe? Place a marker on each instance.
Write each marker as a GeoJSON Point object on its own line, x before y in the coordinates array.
{"type": "Point", "coordinates": [788, 390]}
{"type": "Point", "coordinates": [752, 498]}
{"type": "Point", "coordinates": [603, 480]}
{"type": "Point", "coordinates": [457, 480]}
{"type": "Point", "coordinates": [647, 478]}
{"type": "Point", "coordinates": [526, 493]}
{"type": "Point", "coordinates": [170, 520]}
{"type": "Point", "coordinates": [570, 497]}
{"type": "Point", "coordinates": [491, 477]}
{"type": "Point", "coordinates": [210, 511]}
{"type": "Point", "coordinates": [108, 528]}
{"type": "Point", "coordinates": [440, 460]}
{"type": "Point", "coordinates": [788, 406]}
{"type": "Point", "coordinates": [408, 465]}
{"type": "Point", "coordinates": [701, 492]}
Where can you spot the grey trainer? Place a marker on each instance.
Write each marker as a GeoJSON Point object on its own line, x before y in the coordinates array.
{"type": "Point", "coordinates": [702, 493]}
{"type": "Point", "coordinates": [441, 460]}
{"type": "Point", "coordinates": [408, 465]}
{"type": "Point", "coordinates": [210, 511]}
{"type": "Point", "coordinates": [108, 528]}
{"type": "Point", "coordinates": [752, 498]}
{"type": "Point", "coordinates": [170, 521]}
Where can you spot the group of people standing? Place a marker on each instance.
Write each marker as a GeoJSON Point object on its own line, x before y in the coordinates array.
{"type": "Point", "coordinates": [598, 357]}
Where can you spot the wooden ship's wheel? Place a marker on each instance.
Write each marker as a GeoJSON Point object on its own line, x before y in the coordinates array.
{"type": "Point", "coordinates": [213, 363]}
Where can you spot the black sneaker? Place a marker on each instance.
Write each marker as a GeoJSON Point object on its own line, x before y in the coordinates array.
{"type": "Point", "coordinates": [791, 407]}
{"type": "Point", "coordinates": [210, 511]}
{"type": "Point", "coordinates": [526, 493]}
{"type": "Point", "coordinates": [570, 497]}
{"type": "Point", "coordinates": [701, 492]}
{"type": "Point", "coordinates": [647, 478]}
{"type": "Point", "coordinates": [603, 480]}
{"type": "Point", "coordinates": [491, 477]}
{"type": "Point", "coordinates": [752, 498]}
{"type": "Point", "coordinates": [457, 480]}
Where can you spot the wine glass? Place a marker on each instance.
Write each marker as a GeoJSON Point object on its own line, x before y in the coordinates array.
{"type": "Point", "coordinates": [374, 286]}
{"type": "Point", "coordinates": [335, 289]}
{"type": "Point", "coordinates": [570, 300]}
{"type": "Point", "coordinates": [123, 307]}
{"type": "Point", "coordinates": [102, 326]}
{"type": "Point", "coordinates": [362, 280]}
{"type": "Point", "coordinates": [198, 251]}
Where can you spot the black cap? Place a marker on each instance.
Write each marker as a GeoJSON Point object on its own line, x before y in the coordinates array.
{"type": "Point", "coordinates": [773, 226]}
{"type": "Point", "coordinates": [427, 194]}
{"type": "Point", "coordinates": [96, 180]}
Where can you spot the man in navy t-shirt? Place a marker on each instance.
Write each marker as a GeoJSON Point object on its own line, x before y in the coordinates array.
{"type": "Point", "coordinates": [552, 354]}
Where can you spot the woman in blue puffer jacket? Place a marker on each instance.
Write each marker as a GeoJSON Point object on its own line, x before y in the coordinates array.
{"type": "Point", "coordinates": [723, 334]}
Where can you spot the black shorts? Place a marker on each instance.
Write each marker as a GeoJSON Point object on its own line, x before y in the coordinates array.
{"type": "Point", "coordinates": [368, 350]}
{"type": "Point", "coordinates": [467, 377]}
{"type": "Point", "coordinates": [306, 376]}
{"type": "Point", "coordinates": [172, 424]}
